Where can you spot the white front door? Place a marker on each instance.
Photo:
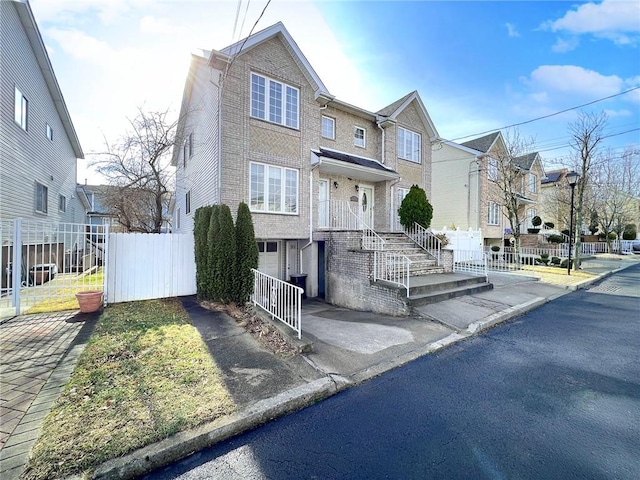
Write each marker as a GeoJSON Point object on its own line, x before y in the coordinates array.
{"type": "Point", "coordinates": [292, 258]}
{"type": "Point", "coordinates": [323, 203]}
{"type": "Point", "coordinates": [365, 204]}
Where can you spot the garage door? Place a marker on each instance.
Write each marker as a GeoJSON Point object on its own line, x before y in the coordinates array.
{"type": "Point", "coordinates": [269, 258]}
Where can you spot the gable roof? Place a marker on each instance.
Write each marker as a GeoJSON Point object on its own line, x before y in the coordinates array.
{"type": "Point", "coordinates": [525, 162]}
{"type": "Point", "coordinates": [392, 111]}
{"type": "Point", "coordinates": [483, 144]}
{"type": "Point", "coordinates": [554, 176]}
{"type": "Point", "coordinates": [246, 44]}
{"type": "Point", "coordinates": [44, 63]}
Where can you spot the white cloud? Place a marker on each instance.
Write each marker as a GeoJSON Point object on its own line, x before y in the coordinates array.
{"type": "Point", "coordinates": [150, 24]}
{"type": "Point", "coordinates": [571, 79]}
{"type": "Point", "coordinates": [563, 46]}
{"type": "Point", "coordinates": [81, 46]}
{"type": "Point", "coordinates": [617, 20]}
{"type": "Point", "coordinates": [511, 29]}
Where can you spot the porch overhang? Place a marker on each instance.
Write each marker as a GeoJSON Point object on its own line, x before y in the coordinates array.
{"type": "Point", "coordinates": [333, 162]}
{"type": "Point", "coordinates": [522, 199]}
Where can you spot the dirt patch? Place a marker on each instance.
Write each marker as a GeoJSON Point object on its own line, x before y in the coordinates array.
{"type": "Point", "coordinates": [260, 329]}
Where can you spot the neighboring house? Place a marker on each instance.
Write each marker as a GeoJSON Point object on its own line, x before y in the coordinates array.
{"type": "Point", "coordinates": [554, 199]}
{"type": "Point", "coordinates": [38, 143]}
{"type": "Point", "coordinates": [465, 191]}
{"type": "Point", "coordinates": [260, 127]}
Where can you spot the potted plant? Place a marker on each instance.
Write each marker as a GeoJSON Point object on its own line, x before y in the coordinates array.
{"type": "Point", "coordinates": [536, 222]}
{"type": "Point", "coordinates": [89, 300]}
{"type": "Point", "coordinates": [495, 249]}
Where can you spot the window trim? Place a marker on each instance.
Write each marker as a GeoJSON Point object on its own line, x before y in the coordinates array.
{"type": "Point", "coordinates": [493, 210]}
{"type": "Point", "coordinates": [62, 203]}
{"type": "Point", "coordinates": [364, 136]}
{"type": "Point", "coordinates": [21, 110]}
{"type": "Point", "coordinates": [413, 135]}
{"type": "Point", "coordinates": [533, 183]}
{"type": "Point", "coordinates": [191, 145]}
{"type": "Point", "coordinates": [187, 203]}
{"type": "Point", "coordinates": [283, 189]}
{"type": "Point", "coordinates": [333, 127]}
{"type": "Point", "coordinates": [43, 197]}
{"type": "Point", "coordinates": [283, 111]}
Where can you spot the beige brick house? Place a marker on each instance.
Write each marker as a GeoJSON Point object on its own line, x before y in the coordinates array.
{"type": "Point", "coordinates": [466, 194]}
{"type": "Point", "coordinates": [260, 127]}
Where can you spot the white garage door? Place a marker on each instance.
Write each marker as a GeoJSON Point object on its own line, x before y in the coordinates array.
{"type": "Point", "coordinates": [269, 258]}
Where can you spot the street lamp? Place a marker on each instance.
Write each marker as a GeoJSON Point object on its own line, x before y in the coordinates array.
{"type": "Point", "coordinates": [572, 179]}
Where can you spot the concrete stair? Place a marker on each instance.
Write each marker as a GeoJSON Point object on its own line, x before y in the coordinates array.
{"type": "Point", "coordinates": [422, 263]}
{"type": "Point", "coordinates": [428, 289]}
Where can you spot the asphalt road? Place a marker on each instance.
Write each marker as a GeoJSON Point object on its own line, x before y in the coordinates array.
{"type": "Point", "coordinates": [554, 394]}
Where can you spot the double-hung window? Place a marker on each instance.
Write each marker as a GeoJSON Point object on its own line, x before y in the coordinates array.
{"type": "Point", "coordinates": [359, 137]}
{"type": "Point", "coordinates": [187, 203]}
{"type": "Point", "coordinates": [493, 213]}
{"type": "Point", "coordinates": [274, 101]}
{"type": "Point", "coordinates": [492, 169]}
{"type": "Point", "coordinates": [42, 200]}
{"type": "Point", "coordinates": [533, 183]}
{"type": "Point", "coordinates": [328, 127]}
{"type": "Point", "coordinates": [21, 115]}
{"type": "Point", "coordinates": [62, 203]}
{"type": "Point", "coordinates": [409, 145]}
{"type": "Point", "coordinates": [273, 189]}
{"type": "Point", "coordinates": [49, 132]}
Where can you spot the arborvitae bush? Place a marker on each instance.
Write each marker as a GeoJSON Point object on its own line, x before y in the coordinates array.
{"type": "Point", "coordinates": [225, 256]}
{"type": "Point", "coordinates": [201, 220]}
{"type": "Point", "coordinates": [213, 238]}
{"type": "Point", "coordinates": [415, 208]}
{"type": "Point", "coordinates": [247, 254]}
{"type": "Point", "coordinates": [555, 260]}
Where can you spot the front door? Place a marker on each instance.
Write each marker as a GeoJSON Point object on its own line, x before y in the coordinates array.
{"type": "Point", "coordinates": [365, 204]}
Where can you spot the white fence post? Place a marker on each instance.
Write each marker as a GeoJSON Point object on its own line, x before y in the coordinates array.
{"type": "Point", "coordinates": [16, 267]}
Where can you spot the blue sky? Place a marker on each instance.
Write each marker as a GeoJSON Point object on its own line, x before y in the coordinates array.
{"type": "Point", "coordinates": [477, 65]}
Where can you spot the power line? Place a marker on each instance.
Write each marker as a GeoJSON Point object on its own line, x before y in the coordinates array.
{"type": "Point", "coordinates": [548, 116]}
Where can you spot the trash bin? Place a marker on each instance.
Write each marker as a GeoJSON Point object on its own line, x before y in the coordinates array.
{"type": "Point", "coordinates": [300, 280]}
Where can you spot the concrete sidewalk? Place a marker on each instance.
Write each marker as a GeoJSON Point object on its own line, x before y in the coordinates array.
{"type": "Point", "coordinates": [348, 347]}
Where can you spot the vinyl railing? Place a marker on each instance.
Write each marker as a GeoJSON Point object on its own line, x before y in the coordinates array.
{"type": "Point", "coordinates": [425, 239]}
{"type": "Point", "coordinates": [280, 299]}
{"type": "Point", "coordinates": [474, 262]}
{"type": "Point", "coordinates": [391, 267]}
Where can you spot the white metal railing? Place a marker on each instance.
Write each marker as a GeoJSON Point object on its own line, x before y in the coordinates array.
{"type": "Point", "coordinates": [471, 261]}
{"type": "Point", "coordinates": [45, 264]}
{"type": "Point", "coordinates": [337, 215]}
{"type": "Point", "coordinates": [280, 299]}
{"type": "Point", "coordinates": [425, 239]}
{"type": "Point", "coordinates": [546, 231]}
{"type": "Point", "coordinates": [391, 267]}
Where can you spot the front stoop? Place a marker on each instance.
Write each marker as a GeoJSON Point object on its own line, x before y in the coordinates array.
{"type": "Point", "coordinates": [424, 290]}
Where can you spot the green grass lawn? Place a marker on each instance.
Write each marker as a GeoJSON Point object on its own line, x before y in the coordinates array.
{"type": "Point", "coordinates": [145, 375]}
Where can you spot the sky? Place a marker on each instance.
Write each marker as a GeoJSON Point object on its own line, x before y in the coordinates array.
{"type": "Point", "coordinates": [478, 66]}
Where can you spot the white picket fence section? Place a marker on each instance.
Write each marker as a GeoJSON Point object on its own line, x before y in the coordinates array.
{"type": "Point", "coordinates": [143, 266]}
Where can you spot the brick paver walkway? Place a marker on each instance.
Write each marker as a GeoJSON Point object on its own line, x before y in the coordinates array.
{"type": "Point", "coordinates": [37, 355]}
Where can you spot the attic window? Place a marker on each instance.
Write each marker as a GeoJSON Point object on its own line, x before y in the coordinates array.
{"type": "Point", "coordinates": [409, 145]}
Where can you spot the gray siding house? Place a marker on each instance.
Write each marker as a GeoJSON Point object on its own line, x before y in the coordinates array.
{"type": "Point", "coordinates": [39, 147]}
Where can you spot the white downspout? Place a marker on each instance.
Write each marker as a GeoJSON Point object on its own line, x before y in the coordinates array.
{"type": "Point", "coordinates": [383, 145]}
{"type": "Point", "coordinates": [310, 211]}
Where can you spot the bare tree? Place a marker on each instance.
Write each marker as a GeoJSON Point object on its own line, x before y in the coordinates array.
{"type": "Point", "coordinates": [508, 179]}
{"type": "Point", "coordinates": [586, 142]}
{"type": "Point", "coordinates": [138, 168]}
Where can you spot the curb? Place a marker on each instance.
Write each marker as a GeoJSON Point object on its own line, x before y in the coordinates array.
{"type": "Point", "coordinates": [188, 442]}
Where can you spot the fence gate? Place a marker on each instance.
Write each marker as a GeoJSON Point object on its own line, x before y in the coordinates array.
{"type": "Point", "coordinates": [45, 264]}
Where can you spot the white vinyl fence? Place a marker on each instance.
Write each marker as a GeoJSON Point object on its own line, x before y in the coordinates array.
{"type": "Point", "coordinates": [143, 266]}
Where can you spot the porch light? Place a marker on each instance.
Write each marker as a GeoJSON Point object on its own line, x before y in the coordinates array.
{"type": "Point", "coordinates": [357, 188]}
{"type": "Point", "coordinates": [335, 184]}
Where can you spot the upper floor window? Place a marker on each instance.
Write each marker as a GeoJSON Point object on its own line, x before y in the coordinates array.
{"type": "Point", "coordinates": [492, 169]}
{"type": "Point", "coordinates": [359, 137]}
{"type": "Point", "coordinates": [187, 202]}
{"type": "Point", "coordinates": [409, 145]}
{"type": "Point", "coordinates": [273, 189]}
{"type": "Point", "coordinates": [328, 127]}
{"type": "Point", "coordinates": [274, 101]}
{"type": "Point", "coordinates": [42, 198]}
{"type": "Point", "coordinates": [49, 132]}
{"type": "Point", "coordinates": [533, 183]}
{"type": "Point", "coordinates": [493, 214]}
{"type": "Point", "coordinates": [62, 203]}
{"type": "Point", "coordinates": [21, 110]}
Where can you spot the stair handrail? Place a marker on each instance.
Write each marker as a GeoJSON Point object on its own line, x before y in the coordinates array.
{"type": "Point", "coordinates": [426, 240]}
{"type": "Point", "coordinates": [546, 231]}
{"type": "Point", "coordinates": [370, 239]}
{"type": "Point", "coordinates": [392, 267]}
